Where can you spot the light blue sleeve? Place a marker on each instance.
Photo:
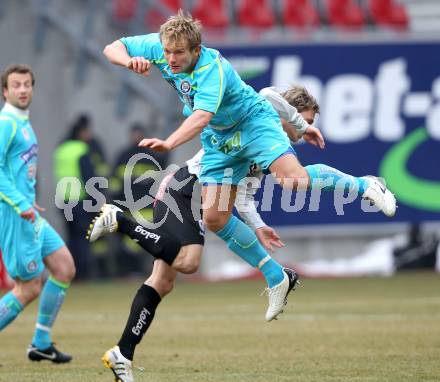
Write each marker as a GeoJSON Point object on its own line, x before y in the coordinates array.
{"type": "Point", "coordinates": [8, 192]}
{"type": "Point", "coordinates": [210, 87]}
{"type": "Point", "coordinates": [148, 46]}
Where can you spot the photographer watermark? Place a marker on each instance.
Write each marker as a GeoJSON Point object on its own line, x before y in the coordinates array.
{"type": "Point", "coordinates": [70, 192]}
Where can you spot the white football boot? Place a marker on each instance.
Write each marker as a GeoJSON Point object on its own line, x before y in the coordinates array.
{"type": "Point", "coordinates": [380, 196]}
{"type": "Point", "coordinates": [119, 365]}
{"type": "Point", "coordinates": [103, 223]}
{"type": "Point", "coordinates": [278, 294]}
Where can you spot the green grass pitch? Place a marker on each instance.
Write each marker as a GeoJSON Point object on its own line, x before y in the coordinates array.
{"type": "Point", "coordinates": [341, 330]}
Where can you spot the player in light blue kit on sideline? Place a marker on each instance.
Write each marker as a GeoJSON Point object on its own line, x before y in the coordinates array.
{"type": "Point", "coordinates": [237, 126]}
{"type": "Point", "coordinates": [28, 242]}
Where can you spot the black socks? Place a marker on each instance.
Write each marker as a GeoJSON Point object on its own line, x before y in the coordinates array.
{"type": "Point", "coordinates": [141, 315]}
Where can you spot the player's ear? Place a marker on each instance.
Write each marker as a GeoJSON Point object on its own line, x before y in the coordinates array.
{"type": "Point", "coordinates": [197, 49]}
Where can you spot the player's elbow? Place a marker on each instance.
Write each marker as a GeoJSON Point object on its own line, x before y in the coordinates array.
{"type": "Point", "coordinates": [111, 51]}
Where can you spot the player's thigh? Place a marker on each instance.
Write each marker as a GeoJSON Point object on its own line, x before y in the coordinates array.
{"type": "Point", "coordinates": [287, 167]}
{"type": "Point", "coordinates": [20, 241]}
{"type": "Point", "coordinates": [218, 202]}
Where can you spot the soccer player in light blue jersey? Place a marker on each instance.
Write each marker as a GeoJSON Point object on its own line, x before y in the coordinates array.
{"type": "Point", "coordinates": [236, 126]}
{"type": "Point", "coordinates": [29, 244]}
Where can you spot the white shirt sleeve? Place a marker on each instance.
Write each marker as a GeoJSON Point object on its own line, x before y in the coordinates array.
{"type": "Point", "coordinates": [245, 202]}
{"type": "Point", "coordinates": [285, 109]}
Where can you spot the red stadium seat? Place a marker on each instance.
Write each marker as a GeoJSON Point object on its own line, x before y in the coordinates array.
{"type": "Point", "coordinates": [124, 10]}
{"type": "Point", "coordinates": [388, 12]}
{"type": "Point", "coordinates": [155, 18]}
{"type": "Point", "coordinates": [212, 13]}
{"type": "Point", "coordinates": [255, 13]}
{"type": "Point", "coordinates": [345, 13]}
{"type": "Point", "coordinates": [299, 13]}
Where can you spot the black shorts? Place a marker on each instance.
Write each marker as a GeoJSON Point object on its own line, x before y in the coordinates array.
{"type": "Point", "coordinates": [187, 199]}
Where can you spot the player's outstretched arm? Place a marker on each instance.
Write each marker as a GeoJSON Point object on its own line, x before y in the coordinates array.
{"type": "Point", "coordinates": [191, 126]}
{"type": "Point", "coordinates": [117, 54]}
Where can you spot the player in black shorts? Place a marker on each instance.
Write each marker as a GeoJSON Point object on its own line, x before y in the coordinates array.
{"type": "Point", "coordinates": [176, 244]}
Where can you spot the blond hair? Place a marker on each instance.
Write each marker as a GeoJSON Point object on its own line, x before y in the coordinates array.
{"type": "Point", "coordinates": [301, 99]}
{"type": "Point", "coordinates": [182, 27]}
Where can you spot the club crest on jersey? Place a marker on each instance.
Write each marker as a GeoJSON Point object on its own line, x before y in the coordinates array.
{"type": "Point", "coordinates": [185, 87]}
{"type": "Point", "coordinates": [32, 266]}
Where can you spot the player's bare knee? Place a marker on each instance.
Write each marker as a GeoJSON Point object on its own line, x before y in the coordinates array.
{"type": "Point", "coordinates": [61, 265]}
{"type": "Point", "coordinates": [191, 265]}
{"type": "Point", "coordinates": [214, 223]}
{"type": "Point", "coordinates": [64, 272]}
{"type": "Point", "coordinates": [294, 180]}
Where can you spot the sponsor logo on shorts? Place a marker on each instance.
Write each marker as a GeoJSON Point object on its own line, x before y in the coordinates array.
{"type": "Point", "coordinates": [141, 322]}
{"type": "Point", "coordinates": [147, 234]}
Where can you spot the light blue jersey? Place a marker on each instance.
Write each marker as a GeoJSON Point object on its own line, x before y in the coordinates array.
{"type": "Point", "coordinates": [212, 86]}
{"type": "Point", "coordinates": [18, 159]}
{"type": "Point", "coordinates": [23, 244]}
{"type": "Point", "coordinates": [244, 124]}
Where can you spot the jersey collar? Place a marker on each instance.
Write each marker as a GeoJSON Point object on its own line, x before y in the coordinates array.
{"type": "Point", "coordinates": [11, 109]}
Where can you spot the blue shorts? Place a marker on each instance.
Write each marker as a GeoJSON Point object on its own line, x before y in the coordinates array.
{"type": "Point", "coordinates": [259, 139]}
{"type": "Point", "coordinates": [24, 244]}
